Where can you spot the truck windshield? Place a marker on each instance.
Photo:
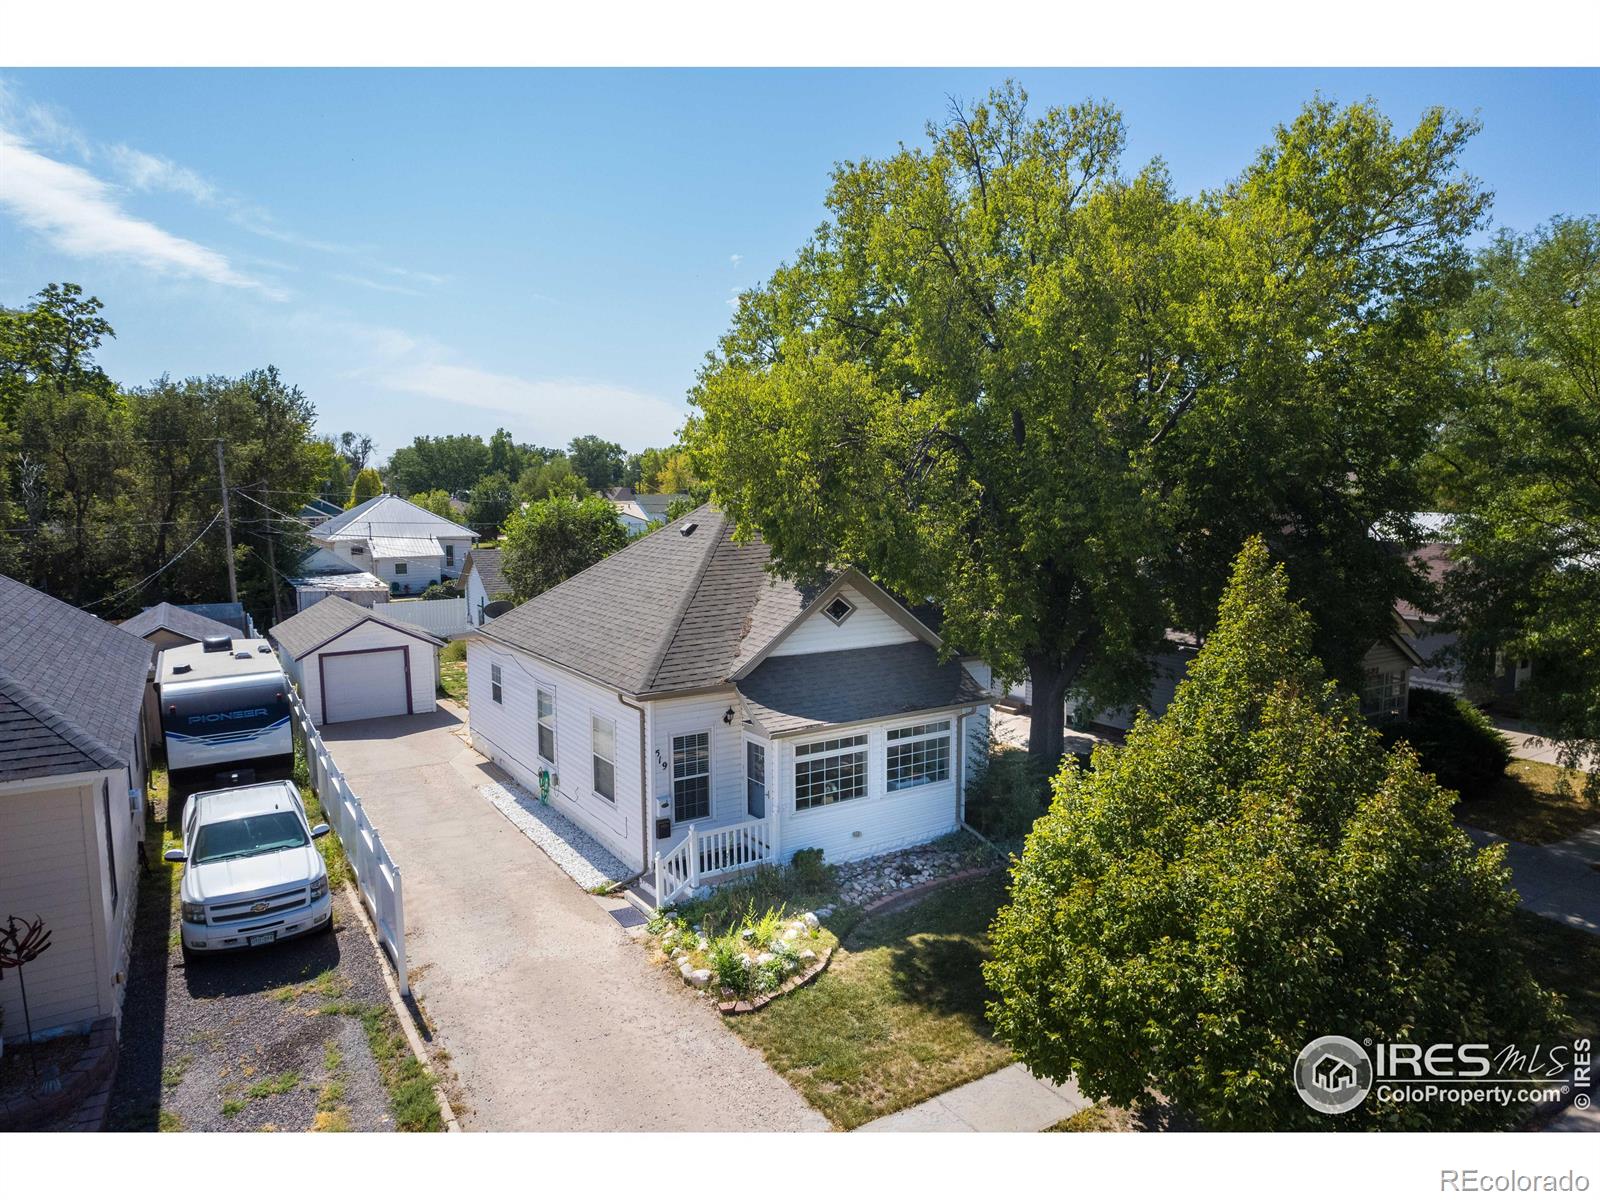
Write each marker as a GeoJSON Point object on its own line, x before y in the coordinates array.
{"type": "Point", "coordinates": [242, 837]}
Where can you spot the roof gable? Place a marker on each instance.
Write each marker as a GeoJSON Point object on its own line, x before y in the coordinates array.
{"type": "Point", "coordinates": [485, 560]}
{"type": "Point", "coordinates": [181, 621]}
{"type": "Point", "coordinates": [331, 617]}
{"type": "Point", "coordinates": [71, 686]}
{"type": "Point", "coordinates": [388, 516]}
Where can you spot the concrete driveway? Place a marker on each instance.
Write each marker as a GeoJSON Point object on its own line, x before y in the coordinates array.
{"type": "Point", "coordinates": [553, 1017]}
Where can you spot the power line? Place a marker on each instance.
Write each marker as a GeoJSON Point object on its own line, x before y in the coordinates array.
{"type": "Point", "coordinates": [134, 587]}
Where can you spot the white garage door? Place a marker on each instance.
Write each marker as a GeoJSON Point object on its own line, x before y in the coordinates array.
{"type": "Point", "coordinates": [367, 683]}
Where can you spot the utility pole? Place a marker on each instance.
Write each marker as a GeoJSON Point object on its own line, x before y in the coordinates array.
{"type": "Point", "coordinates": [227, 525]}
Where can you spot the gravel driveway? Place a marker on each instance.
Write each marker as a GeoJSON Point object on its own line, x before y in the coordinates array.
{"type": "Point", "coordinates": [553, 1016]}
{"type": "Point", "coordinates": [262, 1039]}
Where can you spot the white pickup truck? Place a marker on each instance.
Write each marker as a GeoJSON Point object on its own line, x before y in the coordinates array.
{"type": "Point", "coordinates": [252, 874]}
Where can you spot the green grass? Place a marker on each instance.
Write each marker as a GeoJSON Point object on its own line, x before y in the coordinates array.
{"type": "Point", "coordinates": [332, 852]}
{"type": "Point", "coordinates": [454, 651]}
{"type": "Point", "coordinates": [273, 1085]}
{"type": "Point", "coordinates": [169, 1122]}
{"type": "Point", "coordinates": [1529, 804]}
{"type": "Point", "coordinates": [407, 1081]}
{"type": "Point", "coordinates": [453, 681]}
{"type": "Point", "coordinates": [172, 1073]}
{"type": "Point", "coordinates": [898, 1015]}
{"type": "Point", "coordinates": [1567, 961]}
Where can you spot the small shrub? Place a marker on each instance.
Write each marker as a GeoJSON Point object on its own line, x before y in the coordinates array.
{"type": "Point", "coordinates": [1010, 795]}
{"type": "Point", "coordinates": [440, 591]}
{"type": "Point", "coordinates": [455, 651]}
{"type": "Point", "coordinates": [1454, 739]}
{"type": "Point", "coordinates": [809, 873]}
{"type": "Point", "coordinates": [730, 964]}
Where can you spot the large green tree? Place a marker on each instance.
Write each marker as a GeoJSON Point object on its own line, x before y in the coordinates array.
{"type": "Point", "coordinates": [368, 483]}
{"type": "Point", "coordinates": [453, 462]}
{"type": "Point", "coordinates": [1519, 462]}
{"type": "Point", "coordinates": [1250, 872]}
{"type": "Point", "coordinates": [552, 540]}
{"type": "Point", "coordinates": [1054, 397]}
{"type": "Point", "coordinates": [493, 499]}
{"type": "Point", "coordinates": [600, 462]}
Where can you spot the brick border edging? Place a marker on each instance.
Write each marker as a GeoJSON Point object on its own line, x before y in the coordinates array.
{"type": "Point", "coordinates": [93, 1068]}
{"type": "Point", "coordinates": [910, 895]}
{"type": "Point", "coordinates": [734, 1008]}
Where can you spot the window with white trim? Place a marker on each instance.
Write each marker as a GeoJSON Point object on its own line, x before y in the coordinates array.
{"type": "Point", "coordinates": [603, 735]}
{"type": "Point", "coordinates": [450, 554]}
{"type": "Point", "coordinates": [401, 568]}
{"type": "Point", "coordinates": [494, 684]}
{"type": "Point", "coordinates": [1382, 692]}
{"type": "Point", "coordinates": [829, 771]}
{"type": "Point", "coordinates": [357, 551]}
{"type": "Point", "coordinates": [918, 754]}
{"type": "Point", "coordinates": [691, 776]}
{"type": "Point", "coordinates": [547, 725]}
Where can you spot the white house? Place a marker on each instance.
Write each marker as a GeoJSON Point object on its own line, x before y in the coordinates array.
{"type": "Point", "coordinates": [72, 779]}
{"type": "Point", "coordinates": [405, 547]}
{"type": "Point", "coordinates": [698, 715]}
{"type": "Point", "coordinates": [484, 583]}
{"type": "Point", "coordinates": [352, 663]}
{"type": "Point", "coordinates": [638, 511]}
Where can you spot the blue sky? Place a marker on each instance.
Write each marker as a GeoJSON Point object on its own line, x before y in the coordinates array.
{"type": "Point", "coordinates": [556, 250]}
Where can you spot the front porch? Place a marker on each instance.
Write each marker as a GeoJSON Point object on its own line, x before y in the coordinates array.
{"type": "Point", "coordinates": [710, 851]}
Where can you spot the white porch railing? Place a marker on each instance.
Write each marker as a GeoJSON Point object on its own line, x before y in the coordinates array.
{"type": "Point", "coordinates": [377, 876]}
{"type": "Point", "coordinates": [712, 852]}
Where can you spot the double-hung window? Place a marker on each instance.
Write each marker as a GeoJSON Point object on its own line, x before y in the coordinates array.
{"type": "Point", "coordinates": [401, 568]}
{"type": "Point", "coordinates": [919, 754]}
{"type": "Point", "coordinates": [494, 684]}
{"type": "Point", "coordinates": [830, 771]}
{"type": "Point", "coordinates": [691, 776]}
{"type": "Point", "coordinates": [547, 725]}
{"type": "Point", "coordinates": [603, 734]}
{"type": "Point", "coordinates": [449, 554]}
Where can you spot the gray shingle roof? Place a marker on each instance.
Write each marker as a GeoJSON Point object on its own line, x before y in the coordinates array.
{"type": "Point", "coordinates": [328, 618]}
{"type": "Point", "coordinates": [71, 687]}
{"type": "Point", "coordinates": [487, 561]}
{"type": "Point", "coordinates": [790, 692]}
{"type": "Point", "coordinates": [177, 620]}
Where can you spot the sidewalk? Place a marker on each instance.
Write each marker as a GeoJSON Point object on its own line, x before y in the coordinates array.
{"type": "Point", "coordinates": [1011, 1100]}
{"type": "Point", "coordinates": [1527, 743]}
{"type": "Point", "coordinates": [1558, 881]}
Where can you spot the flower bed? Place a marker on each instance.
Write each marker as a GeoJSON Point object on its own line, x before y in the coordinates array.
{"type": "Point", "coordinates": [754, 960]}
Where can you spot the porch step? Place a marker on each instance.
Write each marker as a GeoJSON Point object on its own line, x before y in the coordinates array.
{"type": "Point", "coordinates": [641, 893]}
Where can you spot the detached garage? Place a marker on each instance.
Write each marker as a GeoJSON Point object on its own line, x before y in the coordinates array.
{"type": "Point", "coordinates": [353, 663]}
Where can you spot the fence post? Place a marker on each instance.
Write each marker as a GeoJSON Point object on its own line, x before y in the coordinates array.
{"type": "Point", "coordinates": [693, 841]}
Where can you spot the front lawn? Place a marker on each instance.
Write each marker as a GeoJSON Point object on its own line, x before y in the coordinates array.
{"type": "Point", "coordinates": [898, 1015]}
{"type": "Point", "coordinates": [1526, 804]}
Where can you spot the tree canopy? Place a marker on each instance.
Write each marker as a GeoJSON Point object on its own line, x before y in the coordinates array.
{"type": "Point", "coordinates": [1519, 463]}
{"type": "Point", "coordinates": [368, 483]}
{"type": "Point", "coordinates": [552, 540]}
{"type": "Point", "coordinates": [1252, 871]}
{"type": "Point", "coordinates": [493, 499]}
{"type": "Point", "coordinates": [1006, 376]}
{"type": "Point", "coordinates": [598, 461]}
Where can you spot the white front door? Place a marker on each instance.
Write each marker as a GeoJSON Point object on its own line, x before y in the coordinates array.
{"type": "Point", "coordinates": [362, 684]}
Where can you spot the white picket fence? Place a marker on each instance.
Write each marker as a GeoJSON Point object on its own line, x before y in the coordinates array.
{"type": "Point", "coordinates": [377, 876]}
{"type": "Point", "coordinates": [445, 618]}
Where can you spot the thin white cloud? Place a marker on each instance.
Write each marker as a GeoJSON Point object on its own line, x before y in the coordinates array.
{"type": "Point", "coordinates": [78, 213]}
{"type": "Point", "coordinates": [152, 173]}
{"type": "Point", "coordinates": [40, 124]}
{"type": "Point", "coordinates": [376, 285]}
{"type": "Point", "coordinates": [736, 259]}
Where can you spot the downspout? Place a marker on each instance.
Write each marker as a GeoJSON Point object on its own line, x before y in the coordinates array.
{"type": "Point", "coordinates": [644, 786]}
{"type": "Point", "coordinates": [961, 765]}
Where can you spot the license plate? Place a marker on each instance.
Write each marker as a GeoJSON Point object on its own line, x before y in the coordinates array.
{"type": "Point", "coordinates": [261, 939]}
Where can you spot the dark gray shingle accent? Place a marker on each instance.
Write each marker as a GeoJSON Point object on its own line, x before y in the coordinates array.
{"type": "Point", "coordinates": [181, 621]}
{"type": "Point", "coordinates": [487, 561]}
{"type": "Point", "coordinates": [331, 616]}
{"type": "Point", "coordinates": [791, 692]}
{"type": "Point", "coordinates": [71, 687]}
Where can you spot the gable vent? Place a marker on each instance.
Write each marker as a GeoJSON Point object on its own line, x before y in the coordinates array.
{"type": "Point", "coordinates": [838, 610]}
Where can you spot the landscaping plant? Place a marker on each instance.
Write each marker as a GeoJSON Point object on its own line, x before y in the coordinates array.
{"type": "Point", "coordinates": [1252, 871]}
{"type": "Point", "coordinates": [1453, 739]}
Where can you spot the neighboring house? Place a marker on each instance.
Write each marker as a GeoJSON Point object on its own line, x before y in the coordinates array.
{"type": "Point", "coordinates": [1440, 670]}
{"type": "Point", "coordinates": [165, 625]}
{"type": "Point", "coordinates": [352, 663]}
{"type": "Point", "coordinates": [319, 511]}
{"type": "Point", "coordinates": [231, 614]}
{"type": "Point", "coordinates": [697, 715]}
{"type": "Point", "coordinates": [72, 779]}
{"type": "Point", "coordinates": [406, 547]}
{"type": "Point", "coordinates": [637, 511]}
{"type": "Point", "coordinates": [323, 573]}
{"type": "Point", "coordinates": [1387, 668]}
{"type": "Point", "coordinates": [485, 582]}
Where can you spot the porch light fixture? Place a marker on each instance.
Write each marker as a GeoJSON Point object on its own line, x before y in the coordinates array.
{"type": "Point", "coordinates": [727, 717]}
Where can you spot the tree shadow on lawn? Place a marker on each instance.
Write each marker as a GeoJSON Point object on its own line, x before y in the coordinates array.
{"type": "Point", "coordinates": [936, 948]}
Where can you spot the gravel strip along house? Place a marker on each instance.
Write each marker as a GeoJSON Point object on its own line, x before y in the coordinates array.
{"type": "Point", "coordinates": [697, 715]}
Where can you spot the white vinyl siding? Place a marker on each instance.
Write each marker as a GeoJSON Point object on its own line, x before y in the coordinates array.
{"type": "Point", "coordinates": [372, 636]}
{"type": "Point", "coordinates": [506, 734]}
{"type": "Point", "coordinates": [868, 625]}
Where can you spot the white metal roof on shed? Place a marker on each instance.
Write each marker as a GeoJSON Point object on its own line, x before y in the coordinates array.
{"type": "Point", "coordinates": [342, 581]}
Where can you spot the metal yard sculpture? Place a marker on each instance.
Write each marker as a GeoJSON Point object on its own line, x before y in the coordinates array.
{"type": "Point", "coordinates": [21, 942]}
